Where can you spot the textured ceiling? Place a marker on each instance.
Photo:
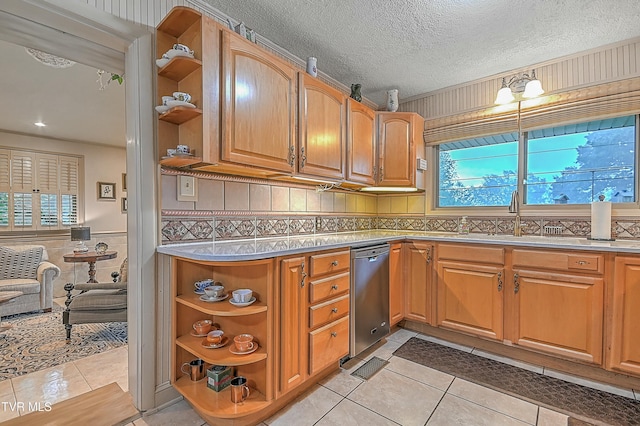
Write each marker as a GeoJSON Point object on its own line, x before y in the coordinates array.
{"type": "Point", "coordinates": [420, 46]}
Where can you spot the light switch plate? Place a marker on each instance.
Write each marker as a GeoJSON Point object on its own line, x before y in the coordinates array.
{"type": "Point", "coordinates": [187, 188]}
{"type": "Point", "coordinates": [422, 164]}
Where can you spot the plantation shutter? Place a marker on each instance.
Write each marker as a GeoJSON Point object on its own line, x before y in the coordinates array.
{"type": "Point", "coordinates": [69, 189]}
{"type": "Point", "coordinates": [5, 187]}
{"type": "Point", "coordinates": [47, 190]}
{"type": "Point", "coordinates": [22, 187]}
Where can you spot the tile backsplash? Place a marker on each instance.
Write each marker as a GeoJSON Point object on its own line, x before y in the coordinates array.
{"type": "Point", "coordinates": [232, 208]}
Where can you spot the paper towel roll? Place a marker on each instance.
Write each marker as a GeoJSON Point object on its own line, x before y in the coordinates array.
{"type": "Point", "coordinates": [601, 220]}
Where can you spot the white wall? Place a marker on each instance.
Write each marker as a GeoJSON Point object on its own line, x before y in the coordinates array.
{"type": "Point", "coordinates": [101, 164]}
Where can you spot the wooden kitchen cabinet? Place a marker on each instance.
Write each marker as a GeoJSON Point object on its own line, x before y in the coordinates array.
{"type": "Point", "coordinates": [322, 137]}
{"type": "Point", "coordinates": [292, 333]}
{"type": "Point", "coordinates": [314, 315]}
{"type": "Point", "coordinates": [470, 288]}
{"type": "Point", "coordinates": [559, 303]}
{"type": "Point", "coordinates": [396, 283]}
{"type": "Point", "coordinates": [361, 143]}
{"type": "Point", "coordinates": [258, 106]}
{"type": "Point", "coordinates": [418, 281]}
{"type": "Point", "coordinates": [399, 136]}
{"type": "Point", "coordinates": [624, 351]}
{"type": "Point", "coordinates": [256, 319]}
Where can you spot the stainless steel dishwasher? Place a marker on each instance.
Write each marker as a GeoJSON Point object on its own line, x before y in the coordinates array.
{"type": "Point", "coordinates": [369, 316]}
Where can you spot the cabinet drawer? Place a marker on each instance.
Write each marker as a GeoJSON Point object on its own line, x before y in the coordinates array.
{"type": "Point", "coordinates": [471, 253]}
{"type": "Point", "coordinates": [321, 264]}
{"type": "Point", "coordinates": [328, 287]}
{"type": "Point", "coordinates": [328, 311]}
{"type": "Point", "coordinates": [328, 344]}
{"type": "Point", "coordinates": [558, 260]}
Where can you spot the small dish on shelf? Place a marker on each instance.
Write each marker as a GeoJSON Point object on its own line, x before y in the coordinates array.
{"type": "Point", "coordinates": [235, 350]}
{"type": "Point", "coordinates": [206, 298]}
{"type": "Point", "coordinates": [177, 103]}
{"type": "Point", "coordinates": [195, 291]}
{"type": "Point", "coordinates": [194, 334]}
{"type": "Point", "coordinates": [241, 304]}
{"type": "Point", "coordinates": [162, 108]}
{"type": "Point", "coordinates": [208, 345]}
{"type": "Point", "coordinates": [162, 61]}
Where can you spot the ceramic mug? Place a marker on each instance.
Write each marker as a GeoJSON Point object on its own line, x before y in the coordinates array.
{"type": "Point", "coordinates": [239, 389]}
{"type": "Point", "coordinates": [312, 68]}
{"type": "Point", "coordinates": [195, 369]}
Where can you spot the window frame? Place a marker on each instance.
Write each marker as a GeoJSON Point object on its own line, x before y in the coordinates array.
{"type": "Point", "coordinates": [553, 209]}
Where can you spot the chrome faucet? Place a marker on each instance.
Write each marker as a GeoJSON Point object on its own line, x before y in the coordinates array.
{"type": "Point", "coordinates": [514, 207]}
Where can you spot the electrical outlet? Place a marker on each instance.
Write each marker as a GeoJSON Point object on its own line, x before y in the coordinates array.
{"type": "Point", "coordinates": [422, 164]}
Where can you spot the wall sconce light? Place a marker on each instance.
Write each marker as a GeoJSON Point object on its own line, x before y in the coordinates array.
{"type": "Point", "coordinates": [81, 234]}
{"type": "Point", "coordinates": [528, 85]}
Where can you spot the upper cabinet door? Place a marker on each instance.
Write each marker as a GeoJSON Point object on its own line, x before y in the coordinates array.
{"type": "Point", "coordinates": [322, 113]}
{"type": "Point", "coordinates": [258, 114]}
{"type": "Point", "coordinates": [397, 151]}
{"type": "Point", "coordinates": [361, 152]}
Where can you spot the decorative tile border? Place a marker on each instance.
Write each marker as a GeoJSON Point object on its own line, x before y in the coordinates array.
{"type": "Point", "coordinates": [180, 227]}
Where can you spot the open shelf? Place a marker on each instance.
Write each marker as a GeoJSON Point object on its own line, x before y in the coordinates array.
{"type": "Point", "coordinates": [179, 20]}
{"type": "Point", "coordinates": [180, 160]}
{"type": "Point", "coordinates": [219, 356]}
{"type": "Point", "coordinates": [179, 115]}
{"type": "Point", "coordinates": [218, 404]}
{"type": "Point", "coordinates": [179, 67]}
{"type": "Point", "coordinates": [222, 308]}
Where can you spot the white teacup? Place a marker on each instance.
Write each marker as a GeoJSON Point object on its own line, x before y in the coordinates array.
{"type": "Point", "coordinates": [214, 290]}
{"type": "Point", "coordinates": [183, 47]}
{"type": "Point", "coordinates": [182, 149]}
{"type": "Point", "coordinates": [182, 96]}
{"type": "Point", "coordinates": [242, 295]}
{"type": "Point", "coordinates": [166, 99]}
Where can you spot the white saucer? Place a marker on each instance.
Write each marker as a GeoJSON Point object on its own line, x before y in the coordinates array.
{"type": "Point", "coordinates": [208, 345]}
{"type": "Point", "coordinates": [172, 53]}
{"type": "Point", "coordinates": [234, 351]}
{"type": "Point", "coordinates": [162, 62]}
{"type": "Point", "coordinates": [162, 108]}
{"type": "Point", "coordinates": [177, 103]}
{"type": "Point", "coordinates": [198, 292]}
{"type": "Point", "coordinates": [241, 304]}
{"type": "Point", "coordinates": [206, 298]}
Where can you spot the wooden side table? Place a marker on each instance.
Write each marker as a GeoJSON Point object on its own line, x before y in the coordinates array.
{"type": "Point", "coordinates": [91, 257]}
{"type": "Point", "coordinates": [6, 296]}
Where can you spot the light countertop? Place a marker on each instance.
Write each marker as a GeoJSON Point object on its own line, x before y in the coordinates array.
{"type": "Point", "coordinates": [281, 246]}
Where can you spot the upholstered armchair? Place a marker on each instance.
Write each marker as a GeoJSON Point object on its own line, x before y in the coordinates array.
{"type": "Point", "coordinates": [97, 302]}
{"type": "Point", "coordinates": [26, 268]}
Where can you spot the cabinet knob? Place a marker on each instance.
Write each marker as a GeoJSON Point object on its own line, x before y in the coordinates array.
{"type": "Point", "coordinates": [516, 283]}
{"type": "Point", "coordinates": [334, 310]}
{"type": "Point", "coordinates": [334, 287]}
{"type": "Point", "coordinates": [334, 334]}
{"type": "Point", "coordinates": [334, 263]}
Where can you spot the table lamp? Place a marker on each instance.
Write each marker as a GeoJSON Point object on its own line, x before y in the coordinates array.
{"type": "Point", "coordinates": [81, 234]}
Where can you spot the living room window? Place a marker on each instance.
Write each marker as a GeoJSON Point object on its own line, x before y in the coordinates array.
{"type": "Point", "coordinates": [570, 164]}
{"type": "Point", "coordinates": [38, 191]}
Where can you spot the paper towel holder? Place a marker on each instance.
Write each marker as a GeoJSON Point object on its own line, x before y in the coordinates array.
{"type": "Point", "coordinates": [600, 198]}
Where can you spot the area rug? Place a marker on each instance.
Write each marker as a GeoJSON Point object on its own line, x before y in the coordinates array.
{"type": "Point", "coordinates": [590, 405]}
{"type": "Point", "coordinates": [38, 341]}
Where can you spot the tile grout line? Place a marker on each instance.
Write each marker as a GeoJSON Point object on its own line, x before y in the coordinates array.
{"type": "Point", "coordinates": [439, 401]}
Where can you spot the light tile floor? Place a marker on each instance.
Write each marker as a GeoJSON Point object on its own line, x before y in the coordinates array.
{"type": "Point", "coordinates": [403, 393]}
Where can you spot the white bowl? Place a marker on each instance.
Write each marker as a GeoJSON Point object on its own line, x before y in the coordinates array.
{"type": "Point", "coordinates": [242, 295]}
{"type": "Point", "coordinates": [162, 62]}
{"type": "Point", "coordinates": [162, 108]}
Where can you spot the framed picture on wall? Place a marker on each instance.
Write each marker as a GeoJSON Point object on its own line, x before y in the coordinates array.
{"type": "Point", "coordinates": [106, 191]}
{"type": "Point", "coordinates": [125, 206]}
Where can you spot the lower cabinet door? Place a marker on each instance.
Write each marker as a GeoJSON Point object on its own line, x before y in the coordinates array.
{"type": "Point", "coordinates": [328, 344]}
{"type": "Point", "coordinates": [470, 298]}
{"type": "Point", "coordinates": [560, 314]}
{"type": "Point", "coordinates": [625, 344]}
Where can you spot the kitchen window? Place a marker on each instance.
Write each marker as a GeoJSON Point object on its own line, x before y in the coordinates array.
{"type": "Point", "coordinates": [571, 164]}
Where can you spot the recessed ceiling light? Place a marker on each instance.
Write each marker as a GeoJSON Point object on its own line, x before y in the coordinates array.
{"type": "Point", "coordinates": [39, 124]}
